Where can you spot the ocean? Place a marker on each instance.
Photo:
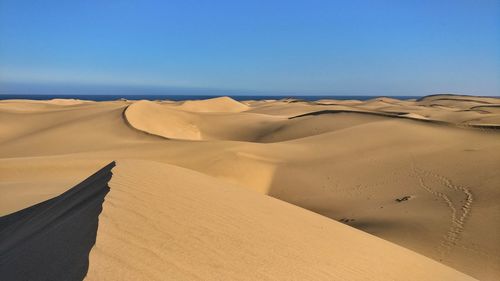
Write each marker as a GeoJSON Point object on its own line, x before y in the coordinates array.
{"type": "Point", "coordinates": [107, 92]}
{"type": "Point", "coordinates": [189, 97]}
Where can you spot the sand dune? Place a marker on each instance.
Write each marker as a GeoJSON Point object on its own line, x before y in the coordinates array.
{"type": "Point", "coordinates": [220, 104]}
{"type": "Point", "coordinates": [158, 120]}
{"type": "Point", "coordinates": [414, 172]}
{"type": "Point", "coordinates": [188, 226]}
{"type": "Point", "coordinates": [52, 240]}
{"type": "Point", "coordinates": [160, 221]}
{"type": "Point", "coordinates": [170, 123]}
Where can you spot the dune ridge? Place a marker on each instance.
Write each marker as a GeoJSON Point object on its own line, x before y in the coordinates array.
{"type": "Point", "coordinates": [204, 229]}
{"type": "Point", "coordinates": [219, 104]}
{"type": "Point", "coordinates": [175, 122]}
{"type": "Point", "coordinates": [52, 240]}
{"type": "Point", "coordinates": [223, 241]}
{"type": "Point", "coordinates": [144, 115]}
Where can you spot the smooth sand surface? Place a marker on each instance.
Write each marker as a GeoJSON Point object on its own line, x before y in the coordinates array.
{"type": "Point", "coordinates": [422, 174]}
{"type": "Point", "coordinates": [165, 222]}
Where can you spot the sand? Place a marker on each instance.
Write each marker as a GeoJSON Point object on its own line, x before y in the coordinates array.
{"type": "Point", "coordinates": [206, 229]}
{"type": "Point", "coordinates": [200, 187]}
{"type": "Point", "coordinates": [52, 239]}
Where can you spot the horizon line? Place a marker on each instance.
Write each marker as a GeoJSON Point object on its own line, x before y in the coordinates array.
{"type": "Point", "coordinates": [20, 88]}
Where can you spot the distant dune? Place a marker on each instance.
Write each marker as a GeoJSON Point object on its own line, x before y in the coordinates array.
{"type": "Point", "coordinates": [191, 193]}
{"type": "Point", "coordinates": [220, 104]}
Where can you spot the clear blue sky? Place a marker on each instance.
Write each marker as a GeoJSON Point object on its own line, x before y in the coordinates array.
{"type": "Point", "coordinates": [349, 47]}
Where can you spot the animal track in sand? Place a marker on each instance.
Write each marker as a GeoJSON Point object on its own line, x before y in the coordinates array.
{"type": "Point", "coordinates": [459, 213]}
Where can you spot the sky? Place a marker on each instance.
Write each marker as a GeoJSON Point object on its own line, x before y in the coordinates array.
{"type": "Point", "coordinates": [373, 47]}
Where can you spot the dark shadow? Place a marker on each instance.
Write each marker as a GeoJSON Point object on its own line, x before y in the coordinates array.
{"type": "Point", "coordinates": [453, 97]}
{"type": "Point", "coordinates": [402, 116]}
{"type": "Point", "coordinates": [52, 240]}
{"type": "Point", "coordinates": [334, 111]}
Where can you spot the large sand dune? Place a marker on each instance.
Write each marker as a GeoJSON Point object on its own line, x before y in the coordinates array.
{"type": "Point", "coordinates": [164, 222]}
{"type": "Point", "coordinates": [420, 173]}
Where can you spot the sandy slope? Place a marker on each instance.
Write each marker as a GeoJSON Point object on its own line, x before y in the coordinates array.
{"type": "Point", "coordinates": [347, 160]}
{"type": "Point", "coordinates": [52, 239]}
{"type": "Point", "coordinates": [164, 222]}
{"type": "Point", "coordinates": [220, 104]}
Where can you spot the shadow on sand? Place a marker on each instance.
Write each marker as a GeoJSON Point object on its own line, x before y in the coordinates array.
{"type": "Point", "coordinates": [52, 240]}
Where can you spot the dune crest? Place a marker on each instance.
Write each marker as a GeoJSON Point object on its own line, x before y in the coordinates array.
{"type": "Point", "coordinates": [219, 104]}
{"type": "Point", "coordinates": [52, 240]}
{"type": "Point", "coordinates": [160, 220]}
{"type": "Point", "coordinates": [159, 120]}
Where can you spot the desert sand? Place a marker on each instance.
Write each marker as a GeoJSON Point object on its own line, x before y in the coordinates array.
{"type": "Point", "coordinates": [217, 189]}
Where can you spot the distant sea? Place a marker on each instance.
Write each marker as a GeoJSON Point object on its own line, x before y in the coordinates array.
{"type": "Point", "coordinates": [46, 91]}
{"type": "Point", "coordinates": [189, 97]}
